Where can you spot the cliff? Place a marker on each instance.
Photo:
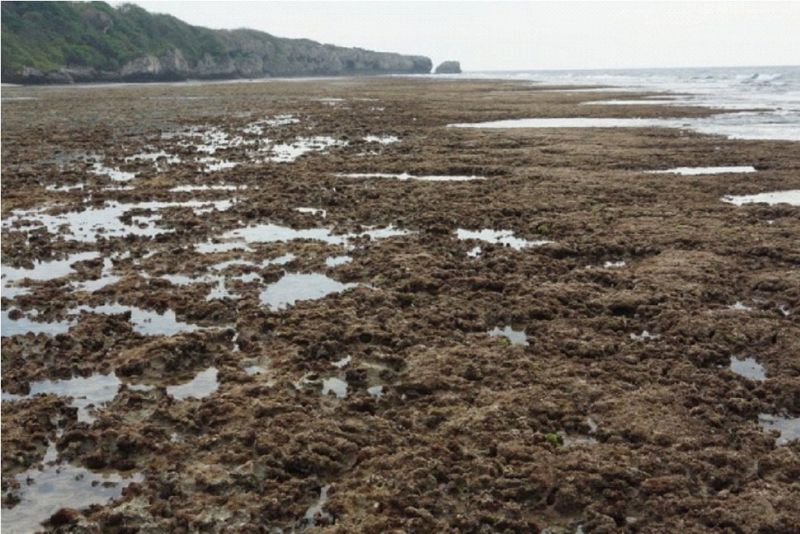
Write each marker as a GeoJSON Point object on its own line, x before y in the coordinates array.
{"type": "Point", "coordinates": [66, 42]}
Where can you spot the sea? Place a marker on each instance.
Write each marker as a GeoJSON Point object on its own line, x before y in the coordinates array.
{"type": "Point", "coordinates": [760, 102]}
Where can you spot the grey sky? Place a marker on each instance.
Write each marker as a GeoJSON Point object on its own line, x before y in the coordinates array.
{"type": "Point", "coordinates": [529, 35]}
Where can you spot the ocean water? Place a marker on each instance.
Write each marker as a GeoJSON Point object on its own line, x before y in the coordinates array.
{"type": "Point", "coordinates": [764, 102]}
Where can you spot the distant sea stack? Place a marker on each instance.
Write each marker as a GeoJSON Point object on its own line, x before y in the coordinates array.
{"type": "Point", "coordinates": [67, 42]}
{"type": "Point", "coordinates": [449, 67]}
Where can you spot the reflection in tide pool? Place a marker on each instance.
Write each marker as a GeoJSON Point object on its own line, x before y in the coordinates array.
{"type": "Point", "coordinates": [699, 171]}
{"type": "Point", "coordinates": [375, 391]}
{"type": "Point", "coordinates": [202, 385]}
{"type": "Point", "coordinates": [335, 261]}
{"type": "Point", "coordinates": [273, 233]}
{"type": "Point", "coordinates": [45, 491]}
{"type": "Point", "coordinates": [748, 368]}
{"type": "Point", "coordinates": [645, 336]}
{"type": "Point", "coordinates": [421, 178]}
{"type": "Point", "coordinates": [334, 385]}
{"type": "Point", "coordinates": [731, 125]}
{"type": "Point", "coordinates": [289, 152]}
{"type": "Point", "coordinates": [515, 337]}
{"type": "Point", "coordinates": [23, 325]}
{"type": "Point", "coordinates": [146, 322]}
{"type": "Point", "coordinates": [382, 139]}
{"type": "Point", "coordinates": [501, 237]}
{"type": "Point", "coordinates": [791, 197]}
{"type": "Point", "coordinates": [788, 427]}
{"type": "Point", "coordinates": [295, 287]}
{"type": "Point", "coordinates": [41, 270]}
{"type": "Point", "coordinates": [87, 224]}
{"type": "Point", "coordinates": [85, 392]}
{"type": "Point", "coordinates": [568, 122]}
{"type": "Point", "coordinates": [113, 173]}
{"type": "Point", "coordinates": [315, 512]}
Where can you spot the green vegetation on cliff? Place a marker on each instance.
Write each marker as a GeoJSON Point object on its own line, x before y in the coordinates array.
{"type": "Point", "coordinates": [70, 41]}
{"type": "Point", "coordinates": [49, 35]}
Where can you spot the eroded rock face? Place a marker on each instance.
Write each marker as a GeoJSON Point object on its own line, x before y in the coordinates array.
{"type": "Point", "coordinates": [448, 67]}
{"type": "Point", "coordinates": [248, 56]}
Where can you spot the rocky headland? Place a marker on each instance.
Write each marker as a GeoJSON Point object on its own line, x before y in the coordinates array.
{"type": "Point", "coordinates": [68, 42]}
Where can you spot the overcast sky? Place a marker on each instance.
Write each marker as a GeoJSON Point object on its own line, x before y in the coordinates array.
{"type": "Point", "coordinates": [529, 35]}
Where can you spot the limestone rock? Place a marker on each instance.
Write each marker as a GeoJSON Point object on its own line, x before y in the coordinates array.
{"type": "Point", "coordinates": [448, 67]}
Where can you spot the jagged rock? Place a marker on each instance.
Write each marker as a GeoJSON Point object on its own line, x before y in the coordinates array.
{"type": "Point", "coordinates": [449, 67]}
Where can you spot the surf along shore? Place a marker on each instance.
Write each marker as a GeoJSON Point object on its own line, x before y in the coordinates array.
{"type": "Point", "coordinates": [312, 304]}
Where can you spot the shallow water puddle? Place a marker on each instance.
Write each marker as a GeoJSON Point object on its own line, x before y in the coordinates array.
{"type": "Point", "coordinates": [105, 279]}
{"type": "Point", "coordinates": [112, 172]}
{"type": "Point", "coordinates": [334, 385]}
{"type": "Point", "coordinates": [183, 280]}
{"type": "Point", "coordinates": [211, 247]}
{"type": "Point", "coordinates": [748, 368]}
{"type": "Point", "coordinates": [502, 237]}
{"type": "Point", "coordinates": [156, 157]}
{"type": "Point", "coordinates": [280, 260]}
{"type": "Point", "coordinates": [315, 512]}
{"type": "Point", "coordinates": [219, 281]}
{"type": "Point", "coordinates": [375, 391]}
{"type": "Point", "coordinates": [211, 140]}
{"type": "Point", "coordinates": [215, 187]}
{"type": "Point", "coordinates": [202, 385]}
{"type": "Point", "coordinates": [24, 325]}
{"type": "Point", "coordinates": [220, 291]}
{"type": "Point", "coordinates": [313, 211]}
{"type": "Point", "coordinates": [570, 122]}
{"type": "Point", "coordinates": [41, 270]}
{"type": "Point", "coordinates": [406, 177]}
{"type": "Point", "coordinates": [210, 164]}
{"type": "Point", "coordinates": [515, 337]}
{"type": "Point", "coordinates": [145, 322]}
{"type": "Point", "coordinates": [344, 362]}
{"type": "Point", "coordinates": [85, 392]}
{"type": "Point", "coordinates": [791, 197]}
{"type": "Point", "coordinates": [289, 152]}
{"type": "Point", "coordinates": [273, 233]}
{"type": "Point", "coordinates": [44, 491]}
{"type": "Point", "coordinates": [86, 225]}
{"type": "Point", "coordinates": [295, 287]}
{"type": "Point", "coordinates": [789, 428]}
{"type": "Point", "coordinates": [381, 139]}
{"type": "Point", "coordinates": [621, 102]}
{"type": "Point", "coordinates": [697, 171]}
{"type": "Point", "coordinates": [645, 336]}
{"type": "Point", "coordinates": [335, 261]}
{"type": "Point", "coordinates": [64, 188]}
{"type": "Point", "coordinates": [257, 127]}
{"type": "Point", "coordinates": [568, 440]}
{"type": "Point", "coordinates": [254, 366]}
{"type": "Point", "coordinates": [729, 125]}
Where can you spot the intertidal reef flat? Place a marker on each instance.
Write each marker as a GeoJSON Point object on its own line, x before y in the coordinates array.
{"type": "Point", "coordinates": [312, 304]}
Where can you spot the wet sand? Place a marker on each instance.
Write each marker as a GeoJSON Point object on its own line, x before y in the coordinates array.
{"type": "Point", "coordinates": [278, 323]}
